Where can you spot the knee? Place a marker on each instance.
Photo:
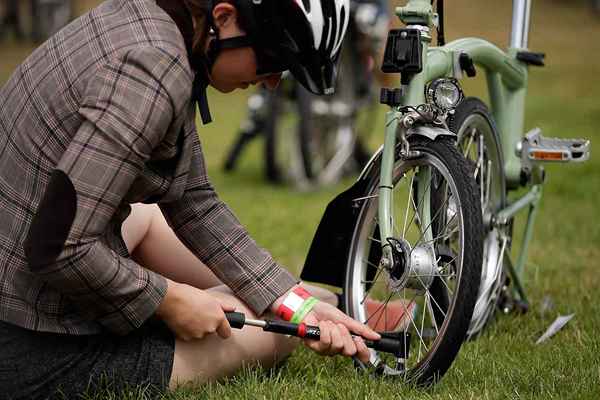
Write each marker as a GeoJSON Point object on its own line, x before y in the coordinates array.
{"type": "Point", "coordinates": [137, 225]}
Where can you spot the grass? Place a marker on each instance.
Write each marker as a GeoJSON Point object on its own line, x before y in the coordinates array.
{"type": "Point", "coordinates": [564, 100]}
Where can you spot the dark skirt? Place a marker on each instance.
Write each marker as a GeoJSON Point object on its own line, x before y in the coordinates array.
{"type": "Point", "coordinates": [38, 365]}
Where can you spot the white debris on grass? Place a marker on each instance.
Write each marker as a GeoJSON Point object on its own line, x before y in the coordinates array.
{"type": "Point", "coordinates": [555, 327]}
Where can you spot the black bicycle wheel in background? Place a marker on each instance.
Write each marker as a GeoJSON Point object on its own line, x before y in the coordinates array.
{"type": "Point", "coordinates": [478, 141]}
{"type": "Point", "coordinates": [437, 279]}
{"type": "Point", "coordinates": [274, 103]}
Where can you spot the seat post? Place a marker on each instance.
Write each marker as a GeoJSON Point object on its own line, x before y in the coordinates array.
{"type": "Point", "coordinates": [520, 24]}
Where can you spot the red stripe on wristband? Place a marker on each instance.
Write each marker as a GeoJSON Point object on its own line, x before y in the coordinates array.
{"type": "Point", "coordinates": [300, 291]}
{"type": "Point", "coordinates": [285, 313]}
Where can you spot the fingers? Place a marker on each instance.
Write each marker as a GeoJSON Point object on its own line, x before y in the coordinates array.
{"type": "Point", "coordinates": [349, 348]}
{"type": "Point", "coordinates": [362, 351]}
{"type": "Point", "coordinates": [328, 312]}
{"type": "Point", "coordinates": [226, 306]}
{"type": "Point", "coordinates": [360, 329]}
{"type": "Point", "coordinates": [224, 329]}
{"type": "Point", "coordinates": [334, 339]}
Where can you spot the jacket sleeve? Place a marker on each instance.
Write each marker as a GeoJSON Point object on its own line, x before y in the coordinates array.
{"type": "Point", "coordinates": [212, 232]}
{"type": "Point", "coordinates": [126, 111]}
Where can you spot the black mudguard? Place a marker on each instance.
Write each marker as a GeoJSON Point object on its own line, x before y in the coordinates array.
{"type": "Point", "coordinates": [328, 254]}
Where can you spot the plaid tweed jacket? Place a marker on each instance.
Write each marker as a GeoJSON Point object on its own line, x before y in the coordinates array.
{"type": "Point", "coordinates": [97, 118]}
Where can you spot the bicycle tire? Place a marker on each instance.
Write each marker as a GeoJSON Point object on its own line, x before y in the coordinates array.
{"type": "Point", "coordinates": [449, 327]}
{"type": "Point", "coordinates": [273, 169]}
{"type": "Point", "coordinates": [473, 123]}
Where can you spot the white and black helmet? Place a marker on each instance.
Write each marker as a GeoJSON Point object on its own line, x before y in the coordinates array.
{"type": "Point", "coordinates": [302, 36]}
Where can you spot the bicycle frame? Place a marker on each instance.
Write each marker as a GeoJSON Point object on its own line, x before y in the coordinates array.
{"type": "Point", "coordinates": [507, 86]}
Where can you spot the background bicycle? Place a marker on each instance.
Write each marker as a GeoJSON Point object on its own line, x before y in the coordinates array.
{"type": "Point", "coordinates": [311, 140]}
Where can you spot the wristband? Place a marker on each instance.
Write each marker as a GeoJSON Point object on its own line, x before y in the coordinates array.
{"type": "Point", "coordinates": [296, 305]}
{"type": "Point", "coordinates": [304, 309]}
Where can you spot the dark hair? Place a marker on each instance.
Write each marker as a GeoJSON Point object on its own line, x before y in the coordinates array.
{"type": "Point", "coordinates": [199, 10]}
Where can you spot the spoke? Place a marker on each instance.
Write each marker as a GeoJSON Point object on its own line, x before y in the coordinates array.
{"type": "Point", "coordinates": [420, 201]}
{"type": "Point", "coordinates": [437, 213]}
{"type": "Point", "coordinates": [375, 240]}
{"type": "Point", "coordinates": [447, 287]}
{"type": "Point", "coordinates": [416, 207]}
{"type": "Point", "coordinates": [427, 299]}
{"type": "Point", "coordinates": [488, 181]}
{"type": "Point", "coordinates": [412, 180]}
{"type": "Point", "coordinates": [481, 162]}
{"type": "Point", "coordinates": [437, 329]}
{"type": "Point", "coordinates": [418, 333]}
{"type": "Point", "coordinates": [444, 235]}
{"type": "Point", "coordinates": [437, 305]}
{"type": "Point", "coordinates": [450, 263]}
{"type": "Point", "coordinates": [412, 321]}
{"type": "Point", "coordinates": [428, 293]}
{"type": "Point", "coordinates": [374, 280]}
{"type": "Point", "coordinates": [423, 321]}
{"type": "Point", "coordinates": [468, 146]}
{"type": "Point", "coordinates": [365, 198]}
{"type": "Point", "coordinates": [430, 275]}
{"type": "Point", "coordinates": [379, 308]}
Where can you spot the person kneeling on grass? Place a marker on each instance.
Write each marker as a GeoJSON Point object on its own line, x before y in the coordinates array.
{"type": "Point", "coordinates": [117, 258]}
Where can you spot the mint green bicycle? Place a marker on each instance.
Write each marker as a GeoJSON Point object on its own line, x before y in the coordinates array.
{"type": "Point", "coordinates": [426, 229]}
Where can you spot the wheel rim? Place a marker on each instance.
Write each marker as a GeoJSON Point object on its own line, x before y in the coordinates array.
{"type": "Point", "coordinates": [428, 321]}
{"type": "Point", "coordinates": [475, 137]}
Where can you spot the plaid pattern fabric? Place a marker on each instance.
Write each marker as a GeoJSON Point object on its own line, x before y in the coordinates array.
{"type": "Point", "coordinates": [106, 101]}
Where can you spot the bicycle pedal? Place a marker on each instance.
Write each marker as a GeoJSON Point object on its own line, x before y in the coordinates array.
{"type": "Point", "coordinates": [536, 148]}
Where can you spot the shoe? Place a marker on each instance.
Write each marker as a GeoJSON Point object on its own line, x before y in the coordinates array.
{"type": "Point", "coordinates": [394, 317]}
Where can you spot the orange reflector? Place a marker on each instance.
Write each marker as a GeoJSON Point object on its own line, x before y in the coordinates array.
{"type": "Point", "coordinates": [547, 155]}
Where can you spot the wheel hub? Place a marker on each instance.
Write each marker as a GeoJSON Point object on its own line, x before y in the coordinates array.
{"type": "Point", "coordinates": [413, 268]}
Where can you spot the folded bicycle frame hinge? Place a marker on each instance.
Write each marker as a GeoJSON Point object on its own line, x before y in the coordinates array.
{"type": "Point", "coordinates": [328, 254]}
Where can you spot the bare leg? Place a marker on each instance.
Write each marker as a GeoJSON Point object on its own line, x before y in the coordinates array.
{"type": "Point", "coordinates": [153, 244]}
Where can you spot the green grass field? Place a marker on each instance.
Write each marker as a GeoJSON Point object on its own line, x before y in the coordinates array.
{"type": "Point", "coordinates": [564, 259]}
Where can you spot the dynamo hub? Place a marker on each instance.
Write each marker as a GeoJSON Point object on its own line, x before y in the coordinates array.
{"type": "Point", "coordinates": [413, 268]}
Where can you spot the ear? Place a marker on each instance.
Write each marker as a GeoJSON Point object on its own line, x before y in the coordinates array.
{"type": "Point", "coordinates": [224, 15]}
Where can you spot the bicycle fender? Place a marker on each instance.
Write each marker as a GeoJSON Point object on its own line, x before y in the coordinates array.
{"type": "Point", "coordinates": [327, 257]}
{"type": "Point", "coordinates": [430, 132]}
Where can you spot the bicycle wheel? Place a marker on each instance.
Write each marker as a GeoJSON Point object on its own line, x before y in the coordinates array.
{"type": "Point", "coordinates": [440, 248]}
{"type": "Point", "coordinates": [326, 136]}
{"type": "Point", "coordinates": [274, 105]}
{"type": "Point", "coordinates": [478, 141]}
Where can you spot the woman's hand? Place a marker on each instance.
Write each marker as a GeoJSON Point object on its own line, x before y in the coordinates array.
{"type": "Point", "coordinates": [192, 313]}
{"type": "Point", "coordinates": [336, 328]}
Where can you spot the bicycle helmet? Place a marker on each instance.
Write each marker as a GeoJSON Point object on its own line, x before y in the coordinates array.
{"type": "Point", "coordinates": [302, 36]}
